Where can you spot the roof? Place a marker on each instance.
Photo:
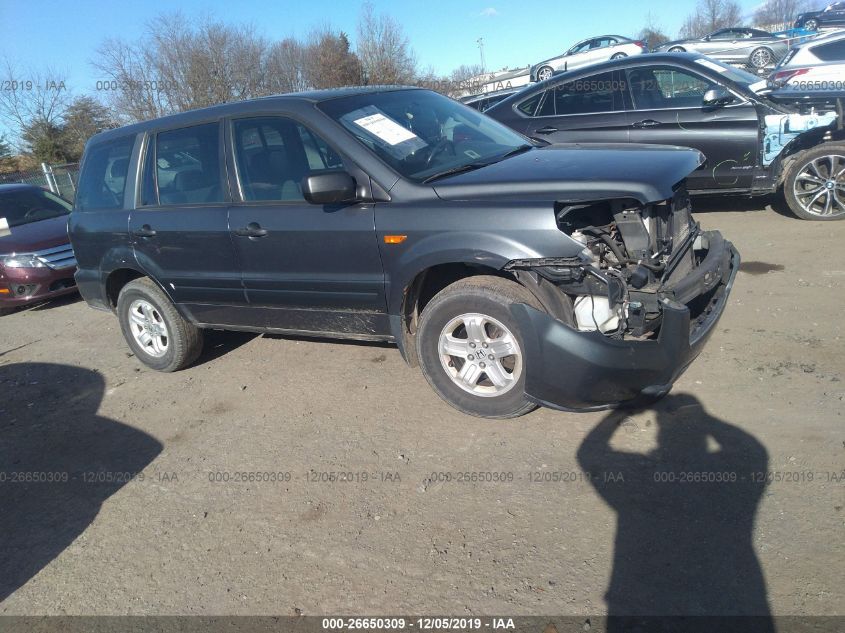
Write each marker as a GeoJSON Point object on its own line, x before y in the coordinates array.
{"type": "Point", "coordinates": [236, 107]}
{"type": "Point", "coordinates": [17, 186]}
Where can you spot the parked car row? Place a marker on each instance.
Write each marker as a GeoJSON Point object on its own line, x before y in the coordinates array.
{"type": "Point", "coordinates": [753, 144]}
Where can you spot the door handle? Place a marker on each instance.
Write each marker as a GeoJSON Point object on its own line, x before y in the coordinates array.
{"type": "Point", "coordinates": [252, 230]}
{"type": "Point", "coordinates": [646, 123]}
{"type": "Point", "coordinates": [144, 231]}
{"type": "Point", "coordinates": [546, 130]}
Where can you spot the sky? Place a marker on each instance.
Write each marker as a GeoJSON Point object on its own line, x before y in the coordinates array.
{"type": "Point", "coordinates": [64, 35]}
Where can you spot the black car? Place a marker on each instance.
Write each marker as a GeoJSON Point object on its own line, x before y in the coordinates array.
{"type": "Point", "coordinates": [487, 100]}
{"type": "Point", "coordinates": [512, 274]}
{"type": "Point", "coordinates": [753, 144]}
{"type": "Point", "coordinates": [832, 15]}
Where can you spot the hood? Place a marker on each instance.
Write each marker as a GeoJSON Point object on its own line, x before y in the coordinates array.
{"type": "Point", "coordinates": [35, 236]}
{"type": "Point", "coordinates": [570, 172]}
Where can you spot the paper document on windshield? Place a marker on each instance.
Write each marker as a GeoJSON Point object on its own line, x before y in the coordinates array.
{"type": "Point", "coordinates": [4, 228]}
{"type": "Point", "coordinates": [386, 129]}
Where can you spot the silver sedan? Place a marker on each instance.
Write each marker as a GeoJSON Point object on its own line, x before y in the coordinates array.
{"type": "Point", "coordinates": [753, 47]}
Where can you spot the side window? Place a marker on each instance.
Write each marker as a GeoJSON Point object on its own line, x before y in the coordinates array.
{"type": "Point", "coordinates": [832, 52]}
{"type": "Point", "coordinates": [666, 87]}
{"type": "Point", "coordinates": [187, 165]}
{"type": "Point", "coordinates": [273, 154]}
{"type": "Point", "coordinates": [597, 93]}
{"type": "Point", "coordinates": [103, 178]}
{"type": "Point", "coordinates": [580, 48]}
{"type": "Point", "coordinates": [529, 106]}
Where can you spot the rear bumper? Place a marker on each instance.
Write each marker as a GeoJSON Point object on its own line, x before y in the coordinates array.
{"type": "Point", "coordinates": [585, 371]}
{"type": "Point", "coordinates": [26, 286]}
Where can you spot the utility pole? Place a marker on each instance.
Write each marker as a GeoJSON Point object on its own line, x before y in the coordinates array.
{"type": "Point", "coordinates": [480, 42]}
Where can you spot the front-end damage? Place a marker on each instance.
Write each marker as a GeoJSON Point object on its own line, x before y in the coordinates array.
{"type": "Point", "coordinates": [639, 301]}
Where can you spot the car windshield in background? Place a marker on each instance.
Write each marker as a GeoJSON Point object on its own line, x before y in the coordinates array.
{"type": "Point", "coordinates": [27, 205]}
{"type": "Point", "coordinates": [737, 75]}
{"type": "Point", "coordinates": [422, 134]}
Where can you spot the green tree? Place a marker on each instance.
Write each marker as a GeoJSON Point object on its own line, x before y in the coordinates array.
{"type": "Point", "coordinates": [83, 118]}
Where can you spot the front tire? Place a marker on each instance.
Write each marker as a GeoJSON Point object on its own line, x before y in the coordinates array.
{"type": "Point", "coordinates": [471, 350]}
{"type": "Point", "coordinates": [811, 25]}
{"type": "Point", "coordinates": [545, 72]}
{"type": "Point", "coordinates": [156, 332]}
{"type": "Point", "coordinates": [814, 184]}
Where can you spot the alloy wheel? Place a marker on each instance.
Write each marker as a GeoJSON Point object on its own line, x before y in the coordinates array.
{"type": "Point", "coordinates": [480, 355]}
{"type": "Point", "coordinates": [761, 58]}
{"type": "Point", "coordinates": [819, 186]}
{"type": "Point", "coordinates": [148, 328]}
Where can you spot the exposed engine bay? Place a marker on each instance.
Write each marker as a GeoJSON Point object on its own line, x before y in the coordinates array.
{"type": "Point", "coordinates": [634, 257]}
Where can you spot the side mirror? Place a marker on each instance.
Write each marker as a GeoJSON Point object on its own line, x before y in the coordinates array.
{"type": "Point", "coordinates": [717, 97]}
{"type": "Point", "coordinates": [328, 188]}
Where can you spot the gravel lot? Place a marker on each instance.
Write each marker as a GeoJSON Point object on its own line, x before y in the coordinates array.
{"type": "Point", "coordinates": [565, 514]}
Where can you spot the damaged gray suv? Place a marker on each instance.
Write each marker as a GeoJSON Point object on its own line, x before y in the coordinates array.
{"type": "Point", "coordinates": [513, 274]}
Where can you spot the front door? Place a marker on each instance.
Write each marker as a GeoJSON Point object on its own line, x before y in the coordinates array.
{"type": "Point", "coordinates": [180, 230]}
{"type": "Point", "coordinates": [666, 107]}
{"type": "Point", "coordinates": [309, 268]}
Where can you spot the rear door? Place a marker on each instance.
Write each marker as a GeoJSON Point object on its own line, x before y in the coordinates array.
{"type": "Point", "coordinates": [309, 268]}
{"type": "Point", "coordinates": [666, 107]}
{"type": "Point", "coordinates": [589, 109]}
{"type": "Point", "coordinates": [180, 229]}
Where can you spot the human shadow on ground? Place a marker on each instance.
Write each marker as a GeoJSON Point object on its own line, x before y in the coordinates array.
{"type": "Point", "coordinates": [685, 519]}
{"type": "Point", "coordinates": [59, 461]}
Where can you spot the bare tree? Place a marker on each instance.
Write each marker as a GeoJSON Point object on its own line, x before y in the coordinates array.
{"type": "Point", "coordinates": [384, 50]}
{"type": "Point", "coordinates": [285, 70]}
{"type": "Point", "coordinates": [31, 97]}
{"type": "Point", "coordinates": [179, 65]}
{"type": "Point", "coordinates": [780, 13]}
{"type": "Point", "coordinates": [711, 15]}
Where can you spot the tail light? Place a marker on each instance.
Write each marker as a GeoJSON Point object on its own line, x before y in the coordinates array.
{"type": "Point", "coordinates": [640, 44]}
{"type": "Point", "coordinates": [780, 78]}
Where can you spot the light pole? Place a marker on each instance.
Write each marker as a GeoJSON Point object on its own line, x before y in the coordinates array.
{"type": "Point", "coordinates": [480, 42]}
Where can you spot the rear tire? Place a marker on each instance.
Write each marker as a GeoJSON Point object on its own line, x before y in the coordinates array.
{"type": "Point", "coordinates": [761, 58]}
{"type": "Point", "coordinates": [677, 49]}
{"type": "Point", "coordinates": [471, 317]}
{"type": "Point", "coordinates": [156, 332]}
{"type": "Point", "coordinates": [811, 25]}
{"type": "Point", "coordinates": [814, 183]}
{"type": "Point", "coordinates": [619, 56]}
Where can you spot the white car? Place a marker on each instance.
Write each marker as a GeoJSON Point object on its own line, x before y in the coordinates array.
{"type": "Point", "coordinates": [586, 52]}
{"type": "Point", "coordinates": [816, 66]}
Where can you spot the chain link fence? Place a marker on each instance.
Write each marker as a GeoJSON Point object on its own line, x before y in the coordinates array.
{"type": "Point", "coordinates": [60, 179]}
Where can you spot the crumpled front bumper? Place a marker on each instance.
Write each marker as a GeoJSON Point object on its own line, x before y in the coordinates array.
{"type": "Point", "coordinates": [586, 371]}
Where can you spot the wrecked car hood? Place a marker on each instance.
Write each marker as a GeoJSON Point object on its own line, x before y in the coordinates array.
{"type": "Point", "coordinates": [647, 173]}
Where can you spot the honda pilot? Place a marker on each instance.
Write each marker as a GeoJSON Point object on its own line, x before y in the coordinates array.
{"type": "Point", "coordinates": [512, 274]}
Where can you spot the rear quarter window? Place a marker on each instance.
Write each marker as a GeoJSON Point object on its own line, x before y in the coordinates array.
{"type": "Point", "coordinates": [104, 171]}
{"type": "Point", "coordinates": [832, 52]}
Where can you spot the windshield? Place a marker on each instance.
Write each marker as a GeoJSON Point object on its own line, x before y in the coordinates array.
{"type": "Point", "coordinates": [737, 75]}
{"type": "Point", "coordinates": [422, 134]}
{"type": "Point", "coordinates": [22, 206]}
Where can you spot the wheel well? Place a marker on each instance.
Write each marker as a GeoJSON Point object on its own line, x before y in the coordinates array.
{"type": "Point", "coordinates": [804, 143]}
{"type": "Point", "coordinates": [424, 287]}
{"type": "Point", "coordinates": [115, 282]}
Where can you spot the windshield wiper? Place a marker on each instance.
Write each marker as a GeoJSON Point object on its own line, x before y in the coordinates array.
{"type": "Point", "coordinates": [455, 170]}
{"type": "Point", "coordinates": [470, 166]}
{"type": "Point", "coordinates": [515, 151]}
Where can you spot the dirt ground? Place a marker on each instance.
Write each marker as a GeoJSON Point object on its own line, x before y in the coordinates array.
{"type": "Point", "coordinates": [371, 496]}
